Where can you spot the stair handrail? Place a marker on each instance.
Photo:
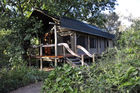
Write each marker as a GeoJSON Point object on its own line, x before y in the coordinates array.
{"type": "Point", "coordinates": [68, 49]}
{"type": "Point", "coordinates": [60, 44]}
{"type": "Point", "coordinates": [84, 50]}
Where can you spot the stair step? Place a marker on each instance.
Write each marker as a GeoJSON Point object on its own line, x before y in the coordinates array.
{"type": "Point", "coordinates": [74, 60]}
{"type": "Point", "coordinates": [77, 63]}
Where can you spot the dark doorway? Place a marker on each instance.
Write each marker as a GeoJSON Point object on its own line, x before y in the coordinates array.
{"type": "Point", "coordinates": [49, 39]}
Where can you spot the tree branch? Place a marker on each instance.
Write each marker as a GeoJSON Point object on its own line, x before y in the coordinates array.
{"type": "Point", "coordinates": [67, 10]}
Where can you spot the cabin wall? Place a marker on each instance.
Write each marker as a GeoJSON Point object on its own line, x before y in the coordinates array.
{"type": "Point", "coordinates": [73, 41]}
{"type": "Point", "coordinates": [110, 43]}
{"type": "Point", "coordinates": [94, 44]}
{"type": "Point", "coordinates": [68, 37]}
{"type": "Point", "coordinates": [60, 48]}
{"type": "Point", "coordinates": [102, 45]}
{"type": "Point", "coordinates": [82, 39]}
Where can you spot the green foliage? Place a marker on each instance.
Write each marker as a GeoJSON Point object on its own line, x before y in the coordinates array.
{"type": "Point", "coordinates": [4, 47]}
{"type": "Point", "coordinates": [122, 67]}
{"type": "Point", "coordinates": [78, 9]}
{"type": "Point", "coordinates": [130, 39]}
{"type": "Point", "coordinates": [136, 24]}
{"type": "Point", "coordinates": [13, 43]}
{"type": "Point", "coordinates": [11, 79]}
{"type": "Point", "coordinates": [64, 79]}
{"type": "Point", "coordinates": [112, 23]}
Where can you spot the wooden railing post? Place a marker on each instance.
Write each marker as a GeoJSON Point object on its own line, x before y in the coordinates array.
{"type": "Point", "coordinates": [64, 53]}
{"type": "Point", "coordinates": [82, 56]}
{"type": "Point", "coordinates": [55, 35]}
{"type": "Point", "coordinates": [41, 57]}
{"type": "Point", "coordinates": [93, 58]}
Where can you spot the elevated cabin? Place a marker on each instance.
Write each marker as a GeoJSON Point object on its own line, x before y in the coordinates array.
{"type": "Point", "coordinates": [63, 30]}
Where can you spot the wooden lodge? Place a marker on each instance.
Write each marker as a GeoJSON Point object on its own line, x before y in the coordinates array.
{"type": "Point", "coordinates": [66, 38]}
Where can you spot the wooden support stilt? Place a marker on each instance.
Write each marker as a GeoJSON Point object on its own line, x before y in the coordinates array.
{"type": "Point", "coordinates": [75, 43]}
{"type": "Point", "coordinates": [41, 65]}
{"type": "Point", "coordinates": [64, 52]}
{"type": "Point", "coordinates": [93, 58]}
{"type": "Point", "coordinates": [55, 35]}
{"type": "Point", "coordinates": [82, 56]}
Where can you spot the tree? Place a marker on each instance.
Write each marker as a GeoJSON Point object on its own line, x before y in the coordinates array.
{"type": "Point", "coordinates": [78, 9]}
{"type": "Point", "coordinates": [136, 24]}
{"type": "Point", "coordinates": [112, 23]}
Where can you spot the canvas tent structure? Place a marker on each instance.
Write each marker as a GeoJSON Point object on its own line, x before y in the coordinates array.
{"type": "Point", "coordinates": [64, 37]}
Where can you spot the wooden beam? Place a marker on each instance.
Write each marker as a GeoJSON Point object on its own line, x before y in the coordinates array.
{"type": "Point", "coordinates": [93, 58]}
{"type": "Point", "coordinates": [75, 40]}
{"type": "Point", "coordinates": [88, 43]}
{"type": "Point", "coordinates": [82, 56]}
{"type": "Point", "coordinates": [64, 53]}
{"type": "Point", "coordinates": [41, 66]}
{"type": "Point", "coordinates": [55, 35]}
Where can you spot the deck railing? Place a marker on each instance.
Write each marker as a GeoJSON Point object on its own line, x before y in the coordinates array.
{"type": "Point", "coordinates": [65, 46]}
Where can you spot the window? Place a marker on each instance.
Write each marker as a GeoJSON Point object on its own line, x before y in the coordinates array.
{"type": "Point", "coordinates": [106, 43]}
{"type": "Point", "coordinates": [100, 40]}
{"type": "Point", "coordinates": [66, 39]}
{"type": "Point", "coordinates": [93, 42]}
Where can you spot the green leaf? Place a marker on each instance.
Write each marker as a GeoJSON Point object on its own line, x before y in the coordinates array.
{"type": "Point", "coordinates": [27, 37]}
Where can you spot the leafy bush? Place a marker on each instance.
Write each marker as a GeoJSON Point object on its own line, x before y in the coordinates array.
{"type": "Point", "coordinates": [11, 79]}
{"type": "Point", "coordinates": [4, 46]}
{"type": "Point", "coordinates": [120, 67]}
{"type": "Point", "coordinates": [63, 79]}
{"type": "Point", "coordinates": [76, 80]}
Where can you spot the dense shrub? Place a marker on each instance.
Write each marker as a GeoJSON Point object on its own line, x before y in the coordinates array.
{"type": "Point", "coordinates": [64, 79]}
{"type": "Point", "coordinates": [11, 79]}
{"type": "Point", "coordinates": [4, 47]}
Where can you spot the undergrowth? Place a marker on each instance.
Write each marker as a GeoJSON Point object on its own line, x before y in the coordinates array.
{"type": "Point", "coordinates": [19, 76]}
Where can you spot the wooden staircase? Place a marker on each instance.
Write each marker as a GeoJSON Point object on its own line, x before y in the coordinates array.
{"type": "Point", "coordinates": [75, 61]}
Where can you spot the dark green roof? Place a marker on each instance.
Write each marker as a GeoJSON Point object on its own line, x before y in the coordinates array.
{"type": "Point", "coordinates": [84, 28]}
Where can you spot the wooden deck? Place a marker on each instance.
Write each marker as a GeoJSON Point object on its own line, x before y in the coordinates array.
{"type": "Point", "coordinates": [52, 57]}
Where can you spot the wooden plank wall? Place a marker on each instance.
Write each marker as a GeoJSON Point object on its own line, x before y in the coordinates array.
{"type": "Point", "coordinates": [101, 44]}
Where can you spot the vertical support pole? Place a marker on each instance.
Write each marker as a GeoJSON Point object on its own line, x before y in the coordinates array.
{"type": "Point", "coordinates": [64, 53]}
{"type": "Point", "coordinates": [98, 45]}
{"type": "Point", "coordinates": [75, 42]}
{"type": "Point", "coordinates": [88, 43]}
{"type": "Point", "coordinates": [93, 58]}
{"type": "Point", "coordinates": [55, 35]}
{"type": "Point", "coordinates": [89, 46]}
{"type": "Point", "coordinates": [82, 56]}
{"type": "Point", "coordinates": [41, 57]}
